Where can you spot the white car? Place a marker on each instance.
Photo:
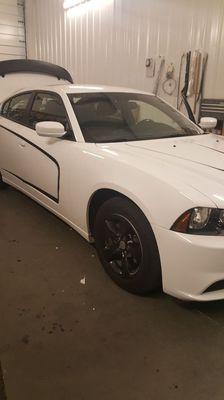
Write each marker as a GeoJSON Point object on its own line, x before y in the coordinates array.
{"type": "Point", "coordinates": [128, 172]}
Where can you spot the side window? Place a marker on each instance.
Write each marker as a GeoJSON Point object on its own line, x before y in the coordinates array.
{"type": "Point", "coordinates": [5, 108]}
{"type": "Point", "coordinates": [48, 107]}
{"type": "Point", "coordinates": [17, 108]}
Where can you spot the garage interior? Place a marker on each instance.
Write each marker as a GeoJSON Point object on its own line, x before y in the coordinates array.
{"type": "Point", "coordinates": [67, 331]}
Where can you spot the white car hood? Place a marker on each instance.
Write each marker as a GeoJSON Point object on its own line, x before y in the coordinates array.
{"type": "Point", "coordinates": [195, 161]}
{"type": "Point", "coordinates": [207, 150]}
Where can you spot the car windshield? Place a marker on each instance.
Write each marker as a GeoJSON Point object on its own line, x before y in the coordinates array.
{"type": "Point", "coordinates": [123, 117]}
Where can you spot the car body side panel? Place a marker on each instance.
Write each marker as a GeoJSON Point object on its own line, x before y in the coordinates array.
{"type": "Point", "coordinates": [23, 159]}
{"type": "Point", "coordinates": [85, 168]}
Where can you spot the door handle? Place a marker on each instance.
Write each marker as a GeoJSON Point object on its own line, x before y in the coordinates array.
{"type": "Point", "coordinates": [22, 145]}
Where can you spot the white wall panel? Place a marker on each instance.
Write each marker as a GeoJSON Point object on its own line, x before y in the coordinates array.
{"type": "Point", "coordinates": [16, 41]}
{"type": "Point", "coordinates": [10, 20]}
{"type": "Point", "coordinates": [10, 2]}
{"type": "Point", "coordinates": [17, 51]}
{"type": "Point", "coordinates": [110, 44]}
{"type": "Point", "coordinates": [12, 32]}
{"type": "Point", "coordinates": [11, 9]}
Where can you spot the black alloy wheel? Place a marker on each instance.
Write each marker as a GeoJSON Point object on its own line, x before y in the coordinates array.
{"type": "Point", "coordinates": [122, 246]}
{"type": "Point", "coordinates": [126, 246]}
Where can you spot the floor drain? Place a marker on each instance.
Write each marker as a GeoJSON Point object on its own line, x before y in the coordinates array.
{"type": "Point", "coordinates": [2, 385]}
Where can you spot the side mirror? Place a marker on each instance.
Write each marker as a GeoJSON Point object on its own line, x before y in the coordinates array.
{"type": "Point", "coordinates": [51, 129]}
{"type": "Point", "coordinates": [208, 123]}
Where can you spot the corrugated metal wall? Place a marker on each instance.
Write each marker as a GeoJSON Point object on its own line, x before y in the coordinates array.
{"type": "Point", "coordinates": [12, 32]}
{"type": "Point", "coordinates": [110, 44]}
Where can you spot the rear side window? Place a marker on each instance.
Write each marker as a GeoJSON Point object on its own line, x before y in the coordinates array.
{"type": "Point", "coordinates": [48, 107]}
{"type": "Point", "coordinates": [17, 108]}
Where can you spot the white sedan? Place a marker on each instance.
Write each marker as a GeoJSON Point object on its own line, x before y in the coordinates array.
{"type": "Point", "coordinates": [128, 172]}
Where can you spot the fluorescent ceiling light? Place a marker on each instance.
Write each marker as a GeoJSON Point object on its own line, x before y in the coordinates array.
{"type": "Point", "coordinates": [81, 7]}
{"type": "Point", "coordinates": [73, 3]}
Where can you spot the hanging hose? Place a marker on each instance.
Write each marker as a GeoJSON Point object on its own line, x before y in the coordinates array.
{"type": "Point", "coordinates": [169, 85]}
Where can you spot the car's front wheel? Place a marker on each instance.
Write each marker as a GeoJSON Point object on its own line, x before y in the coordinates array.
{"type": "Point", "coordinates": [126, 246]}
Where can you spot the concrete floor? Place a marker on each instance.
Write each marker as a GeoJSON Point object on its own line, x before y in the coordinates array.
{"type": "Point", "coordinates": [61, 340]}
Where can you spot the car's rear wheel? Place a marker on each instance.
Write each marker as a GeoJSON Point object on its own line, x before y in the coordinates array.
{"type": "Point", "coordinates": [2, 184]}
{"type": "Point", "coordinates": [127, 246]}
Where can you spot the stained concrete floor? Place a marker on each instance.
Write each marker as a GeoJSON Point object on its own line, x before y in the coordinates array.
{"type": "Point", "coordinates": [61, 340]}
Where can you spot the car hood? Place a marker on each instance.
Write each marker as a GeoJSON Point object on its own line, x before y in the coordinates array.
{"type": "Point", "coordinates": [196, 162]}
{"type": "Point", "coordinates": [207, 150]}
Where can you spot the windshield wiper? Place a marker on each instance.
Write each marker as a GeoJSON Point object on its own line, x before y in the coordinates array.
{"type": "Point", "coordinates": [115, 140]}
{"type": "Point", "coordinates": [183, 134]}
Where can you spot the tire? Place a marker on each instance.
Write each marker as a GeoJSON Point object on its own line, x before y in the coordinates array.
{"type": "Point", "coordinates": [127, 247]}
{"type": "Point", "coordinates": [2, 184]}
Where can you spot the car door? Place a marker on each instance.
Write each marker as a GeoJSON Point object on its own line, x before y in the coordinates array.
{"type": "Point", "coordinates": [12, 118]}
{"type": "Point", "coordinates": [37, 167]}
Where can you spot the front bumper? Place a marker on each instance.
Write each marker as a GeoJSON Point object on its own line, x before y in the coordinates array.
{"type": "Point", "coordinates": [190, 264]}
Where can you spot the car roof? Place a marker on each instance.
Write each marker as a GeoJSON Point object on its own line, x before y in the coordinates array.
{"type": "Point", "coordinates": [95, 88]}
{"type": "Point", "coordinates": [70, 89]}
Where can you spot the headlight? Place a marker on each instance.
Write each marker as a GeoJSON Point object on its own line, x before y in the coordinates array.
{"type": "Point", "coordinates": [201, 221]}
